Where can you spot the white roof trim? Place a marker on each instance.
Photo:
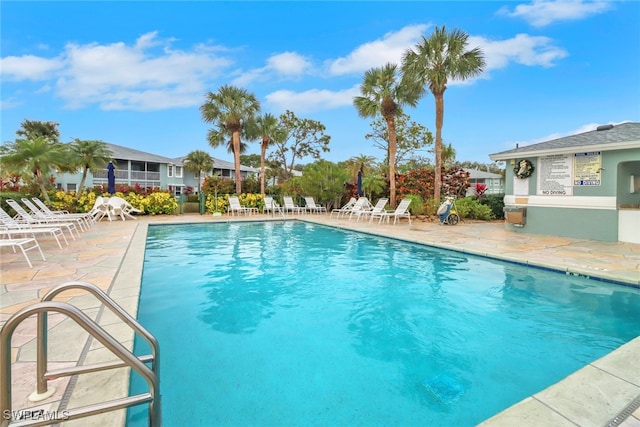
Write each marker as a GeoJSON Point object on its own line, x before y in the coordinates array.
{"type": "Point", "coordinates": [577, 149]}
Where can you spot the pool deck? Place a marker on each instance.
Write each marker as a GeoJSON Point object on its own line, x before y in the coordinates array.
{"type": "Point", "coordinates": [110, 255]}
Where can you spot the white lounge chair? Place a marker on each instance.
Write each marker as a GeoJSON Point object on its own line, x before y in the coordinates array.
{"type": "Point", "coordinates": [402, 211]}
{"type": "Point", "coordinates": [271, 206]}
{"type": "Point", "coordinates": [379, 207]}
{"type": "Point", "coordinates": [23, 217]}
{"type": "Point", "coordinates": [86, 217]}
{"type": "Point", "coordinates": [289, 206]}
{"type": "Point", "coordinates": [236, 207]}
{"type": "Point", "coordinates": [310, 206]}
{"type": "Point", "coordinates": [362, 204]}
{"type": "Point", "coordinates": [25, 244]}
{"type": "Point", "coordinates": [38, 214]}
{"type": "Point", "coordinates": [11, 228]}
{"type": "Point", "coordinates": [345, 209]}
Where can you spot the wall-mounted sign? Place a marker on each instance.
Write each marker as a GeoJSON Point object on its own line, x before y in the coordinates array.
{"type": "Point", "coordinates": [555, 175]}
{"type": "Point", "coordinates": [587, 168]}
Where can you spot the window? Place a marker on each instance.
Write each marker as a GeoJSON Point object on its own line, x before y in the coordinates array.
{"type": "Point", "coordinates": [71, 187]}
{"type": "Point", "coordinates": [169, 170]}
{"type": "Point", "coordinates": [178, 171]}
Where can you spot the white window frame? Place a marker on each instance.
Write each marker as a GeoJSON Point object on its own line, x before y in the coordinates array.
{"type": "Point", "coordinates": [170, 171]}
{"type": "Point", "coordinates": [178, 171]}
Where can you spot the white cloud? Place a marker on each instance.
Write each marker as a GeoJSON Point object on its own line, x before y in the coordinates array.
{"type": "Point", "coordinates": [521, 49]}
{"type": "Point", "coordinates": [389, 48]}
{"type": "Point", "coordinates": [282, 65]}
{"type": "Point", "coordinates": [28, 67]}
{"type": "Point", "coordinates": [543, 12]}
{"type": "Point", "coordinates": [119, 76]}
{"type": "Point", "coordinates": [311, 100]}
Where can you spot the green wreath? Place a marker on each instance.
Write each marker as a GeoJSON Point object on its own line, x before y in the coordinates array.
{"type": "Point", "coordinates": [523, 169]}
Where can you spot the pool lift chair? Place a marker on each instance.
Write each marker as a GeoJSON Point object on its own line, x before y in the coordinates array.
{"type": "Point", "coordinates": [448, 212]}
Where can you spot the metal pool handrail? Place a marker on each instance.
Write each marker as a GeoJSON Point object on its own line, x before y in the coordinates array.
{"type": "Point", "coordinates": [127, 359]}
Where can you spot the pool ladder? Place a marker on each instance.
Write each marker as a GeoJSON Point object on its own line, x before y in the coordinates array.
{"type": "Point", "coordinates": [127, 358]}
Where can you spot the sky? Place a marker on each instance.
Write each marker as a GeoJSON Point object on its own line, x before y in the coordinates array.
{"type": "Point", "coordinates": [135, 73]}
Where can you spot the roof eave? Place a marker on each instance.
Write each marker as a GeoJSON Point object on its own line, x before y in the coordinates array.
{"type": "Point", "coordinates": [523, 152]}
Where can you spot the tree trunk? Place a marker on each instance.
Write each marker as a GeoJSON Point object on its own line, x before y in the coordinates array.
{"type": "Point", "coordinates": [392, 160]}
{"type": "Point", "coordinates": [236, 161]}
{"type": "Point", "coordinates": [82, 181]}
{"type": "Point", "coordinates": [438, 147]}
{"type": "Point", "coordinates": [263, 153]}
{"type": "Point", "coordinates": [43, 190]}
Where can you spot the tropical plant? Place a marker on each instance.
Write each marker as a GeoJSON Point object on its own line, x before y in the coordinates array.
{"type": "Point", "coordinates": [229, 110]}
{"type": "Point", "coordinates": [198, 161]}
{"type": "Point", "coordinates": [383, 93]}
{"type": "Point", "coordinates": [411, 138]}
{"type": "Point", "coordinates": [90, 155]}
{"type": "Point", "coordinates": [33, 160]}
{"type": "Point", "coordinates": [324, 181]}
{"type": "Point", "coordinates": [32, 129]}
{"type": "Point", "coordinates": [297, 138]}
{"type": "Point", "coordinates": [434, 61]}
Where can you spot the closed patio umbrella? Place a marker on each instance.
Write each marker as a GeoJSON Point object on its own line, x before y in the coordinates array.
{"type": "Point", "coordinates": [111, 178]}
{"type": "Point", "coordinates": [360, 182]}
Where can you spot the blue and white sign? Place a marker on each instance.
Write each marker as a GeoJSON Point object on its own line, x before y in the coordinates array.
{"type": "Point", "coordinates": [587, 168]}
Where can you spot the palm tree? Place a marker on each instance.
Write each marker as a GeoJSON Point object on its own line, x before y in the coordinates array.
{"type": "Point", "coordinates": [434, 61]}
{"type": "Point", "coordinates": [230, 109]}
{"type": "Point", "coordinates": [267, 129]}
{"type": "Point", "coordinates": [89, 155]}
{"type": "Point", "coordinates": [448, 155]}
{"type": "Point", "coordinates": [35, 157]}
{"type": "Point", "coordinates": [384, 93]}
{"type": "Point", "coordinates": [31, 129]}
{"type": "Point", "coordinates": [198, 161]}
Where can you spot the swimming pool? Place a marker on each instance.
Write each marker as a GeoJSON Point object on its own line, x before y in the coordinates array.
{"type": "Point", "coordinates": [300, 324]}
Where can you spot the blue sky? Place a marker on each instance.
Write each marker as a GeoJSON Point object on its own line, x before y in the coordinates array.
{"type": "Point", "coordinates": [135, 73]}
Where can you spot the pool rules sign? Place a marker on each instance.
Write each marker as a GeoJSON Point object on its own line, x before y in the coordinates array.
{"type": "Point", "coordinates": [555, 175]}
{"type": "Point", "coordinates": [559, 173]}
{"type": "Point", "coordinates": [587, 168]}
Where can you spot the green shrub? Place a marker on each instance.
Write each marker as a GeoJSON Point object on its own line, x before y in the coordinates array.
{"type": "Point", "coordinates": [473, 209]}
{"type": "Point", "coordinates": [417, 205]}
{"type": "Point", "coordinates": [495, 203]}
{"type": "Point", "coordinates": [193, 198]}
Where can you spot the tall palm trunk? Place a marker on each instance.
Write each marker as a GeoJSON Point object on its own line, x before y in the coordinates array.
{"type": "Point", "coordinates": [82, 181]}
{"type": "Point", "coordinates": [391, 124]}
{"type": "Point", "coordinates": [236, 161]}
{"type": "Point", "coordinates": [43, 190]}
{"type": "Point", "coordinates": [438, 147]}
{"type": "Point", "coordinates": [263, 153]}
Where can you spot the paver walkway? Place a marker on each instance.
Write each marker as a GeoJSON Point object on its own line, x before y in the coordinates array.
{"type": "Point", "coordinates": [110, 256]}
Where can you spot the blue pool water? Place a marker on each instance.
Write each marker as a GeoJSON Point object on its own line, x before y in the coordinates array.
{"type": "Point", "coordinates": [293, 324]}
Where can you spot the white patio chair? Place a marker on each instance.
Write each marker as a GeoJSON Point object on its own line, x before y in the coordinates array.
{"type": "Point", "coordinates": [362, 204]}
{"type": "Point", "coordinates": [236, 207]}
{"type": "Point", "coordinates": [402, 211]}
{"type": "Point", "coordinates": [38, 214]}
{"type": "Point", "coordinates": [379, 207]}
{"type": "Point", "coordinates": [271, 206]}
{"type": "Point", "coordinates": [120, 207]}
{"type": "Point", "coordinates": [344, 209]}
{"type": "Point", "coordinates": [289, 206]}
{"type": "Point", "coordinates": [310, 206]}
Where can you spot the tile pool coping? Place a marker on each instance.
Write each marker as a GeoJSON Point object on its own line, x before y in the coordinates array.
{"type": "Point", "coordinates": [593, 395]}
